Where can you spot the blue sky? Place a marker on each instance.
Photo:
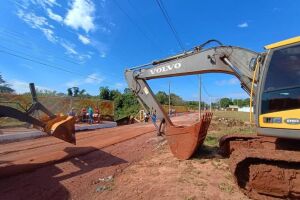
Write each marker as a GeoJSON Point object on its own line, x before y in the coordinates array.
{"type": "Point", "coordinates": [99, 39]}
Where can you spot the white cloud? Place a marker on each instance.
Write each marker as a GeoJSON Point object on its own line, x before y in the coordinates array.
{"type": "Point", "coordinates": [73, 83]}
{"type": "Point", "coordinates": [81, 15]}
{"type": "Point", "coordinates": [22, 86]}
{"type": "Point", "coordinates": [243, 25]}
{"type": "Point", "coordinates": [54, 16]}
{"type": "Point", "coordinates": [69, 48]}
{"type": "Point", "coordinates": [93, 78]}
{"type": "Point", "coordinates": [101, 48]}
{"type": "Point", "coordinates": [120, 86]}
{"type": "Point", "coordinates": [49, 34]}
{"type": "Point", "coordinates": [102, 54]}
{"type": "Point", "coordinates": [232, 81]}
{"type": "Point", "coordinates": [84, 39]}
{"type": "Point", "coordinates": [32, 19]}
{"type": "Point", "coordinates": [237, 95]}
{"type": "Point", "coordinates": [38, 22]}
{"type": "Point", "coordinates": [84, 57]}
{"type": "Point", "coordinates": [45, 3]}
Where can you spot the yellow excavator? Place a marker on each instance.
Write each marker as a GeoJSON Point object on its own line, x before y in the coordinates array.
{"type": "Point", "coordinates": [59, 126]}
{"type": "Point", "coordinates": [266, 166]}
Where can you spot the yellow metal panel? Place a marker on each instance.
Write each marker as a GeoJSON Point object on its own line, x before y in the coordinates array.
{"type": "Point", "coordinates": [283, 43]}
{"type": "Point", "coordinates": [288, 114]}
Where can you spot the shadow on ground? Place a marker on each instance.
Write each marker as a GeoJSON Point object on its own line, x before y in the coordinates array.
{"type": "Point", "coordinates": [43, 181]}
{"type": "Point", "coordinates": [207, 152]}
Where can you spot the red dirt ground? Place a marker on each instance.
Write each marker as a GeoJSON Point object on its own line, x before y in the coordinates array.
{"type": "Point", "coordinates": [128, 162]}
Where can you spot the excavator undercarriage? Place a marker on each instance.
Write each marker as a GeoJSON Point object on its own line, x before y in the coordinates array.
{"type": "Point", "coordinates": [264, 167]}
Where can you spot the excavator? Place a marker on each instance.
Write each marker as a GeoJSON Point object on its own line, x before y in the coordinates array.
{"type": "Point", "coordinates": [59, 126]}
{"type": "Point", "coordinates": [265, 165]}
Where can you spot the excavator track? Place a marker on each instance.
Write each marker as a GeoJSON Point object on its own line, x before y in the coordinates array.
{"type": "Point", "coordinates": [264, 167]}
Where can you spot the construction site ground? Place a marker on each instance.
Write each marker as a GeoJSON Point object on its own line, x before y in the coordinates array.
{"type": "Point", "coordinates": [126, 162]}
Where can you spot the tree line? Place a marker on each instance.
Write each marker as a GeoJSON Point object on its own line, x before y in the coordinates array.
{"type": "Point", "coordinates": [125, 103]}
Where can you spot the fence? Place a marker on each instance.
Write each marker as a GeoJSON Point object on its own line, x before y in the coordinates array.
{"type": "Point", "coordinates": [57, 104]}
{"type": "Point", "coordinates": [177, 109]}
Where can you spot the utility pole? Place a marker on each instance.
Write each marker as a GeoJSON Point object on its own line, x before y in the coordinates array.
{"type": "Point", "coordinates": [200, 98]}
{"type": "Point", "coordinates": [169, 98]}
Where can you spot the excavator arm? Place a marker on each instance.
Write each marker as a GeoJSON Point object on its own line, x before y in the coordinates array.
{"type": "Point", "coordinates": [221, 59]}
{"type": "Point", "coordinates": [61, 127]}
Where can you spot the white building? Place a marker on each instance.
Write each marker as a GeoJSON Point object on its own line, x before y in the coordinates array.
{"type": "Point", "coordinates": [245, 109]}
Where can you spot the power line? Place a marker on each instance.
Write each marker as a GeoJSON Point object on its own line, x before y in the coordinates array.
{"type": "Point", "coordinates": [18, 39]}
{"type": "Point", "coordinates": [21, 43]}
{"type": "Point", "coordinates": [48, 65]}
{"type": "Point", "coordinates": [140, 15]}
{"type": "Point", "coordinates": [48, 56]}
{"type": "Point", "coordinates": [19, 53]}
{"type": "Point", "coordinates": [135, 24]}
{"type": "Point", "coordinates": [57, 68]}
{"type": "Point", "coordinates": [168, 20]}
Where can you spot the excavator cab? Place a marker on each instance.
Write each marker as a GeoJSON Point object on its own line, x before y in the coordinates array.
{"type": "Point", "coordinates": [59, 126]}
{"type": "Point", "coordinates": [279, 110]}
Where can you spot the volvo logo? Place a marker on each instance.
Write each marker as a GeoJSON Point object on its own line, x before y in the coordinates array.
{"type": "Point", "coordinates": [165, 68]}
{"type": "Point", "coordinates": [292, 121]}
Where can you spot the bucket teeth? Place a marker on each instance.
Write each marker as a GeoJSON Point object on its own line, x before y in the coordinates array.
{"type": "Point", "coordinates": [184, 140]}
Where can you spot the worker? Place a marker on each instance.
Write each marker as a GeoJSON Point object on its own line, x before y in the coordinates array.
{"type": "Point", "coordinates": [146, 117]}
{"type": "Point", "coordinates": [153, 118]}
{"type": "Point", "coordinates": [83, 114]}
{"type": "Point", "coordinates": [97, 114]}
{"type": "Point", "coordinates": [91, 113]}
{"type": "Point", "coordinates": [72, 112]}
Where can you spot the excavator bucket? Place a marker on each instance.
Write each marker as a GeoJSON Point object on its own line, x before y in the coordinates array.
{"type": "Point", "coordinates": [62, 127]}
{"type": "Point", "coordinates": [185, 140]}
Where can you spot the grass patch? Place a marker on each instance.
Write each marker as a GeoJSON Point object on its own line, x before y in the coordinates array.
{"type": "Point", "coordinates": [211, 140]}
{"type": "Point", "coordinates": [190, 198]}
{"type": "Point", "coordinates": [225, 187]}
{"type": "Point", "coordinates": [244, 116]}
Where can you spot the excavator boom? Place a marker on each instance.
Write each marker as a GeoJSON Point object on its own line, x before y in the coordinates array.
{"type": "Point", "coordinates": [221, 59]}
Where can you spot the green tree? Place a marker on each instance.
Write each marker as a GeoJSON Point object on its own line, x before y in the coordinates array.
{"type": "Point", "coordinates": [82, 92]}
{"type": "Point", "coordinates": [4, 87]}
{"type": "Point", "coordinates": [246, 102]}
{"type": "Point", "coordinates": [126, 104]}
{"type": "Point", "coordinates": [162, 97]}
{"type": "Point", "coordinates": [113, 94]}
{"type": "Point", "coordinates": [70, 92]}
{"type": "Point", "coordinates": [225, 102]}
{"type": "Point", "coordinates": [104, 93]}
{"type": "Point", "coordinates": [176, 100]}
{"type": "Point", "coordinates": [75, 91]}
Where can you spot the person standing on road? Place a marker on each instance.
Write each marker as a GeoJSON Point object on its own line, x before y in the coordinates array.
{"type": "Point", "coordinates": [72, 112]}
{"type": "Point", "coordinates": [146, 117]}
{"type": "Point", "coordinates": [154, 118]}
{"type": "Point", "coordinates": [91, 113]}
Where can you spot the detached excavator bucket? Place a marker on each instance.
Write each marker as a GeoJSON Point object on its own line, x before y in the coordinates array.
{"type": "Point", "coordinates": [62, 127]}
{"type": "Point", "coordinates": [184, 140]}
